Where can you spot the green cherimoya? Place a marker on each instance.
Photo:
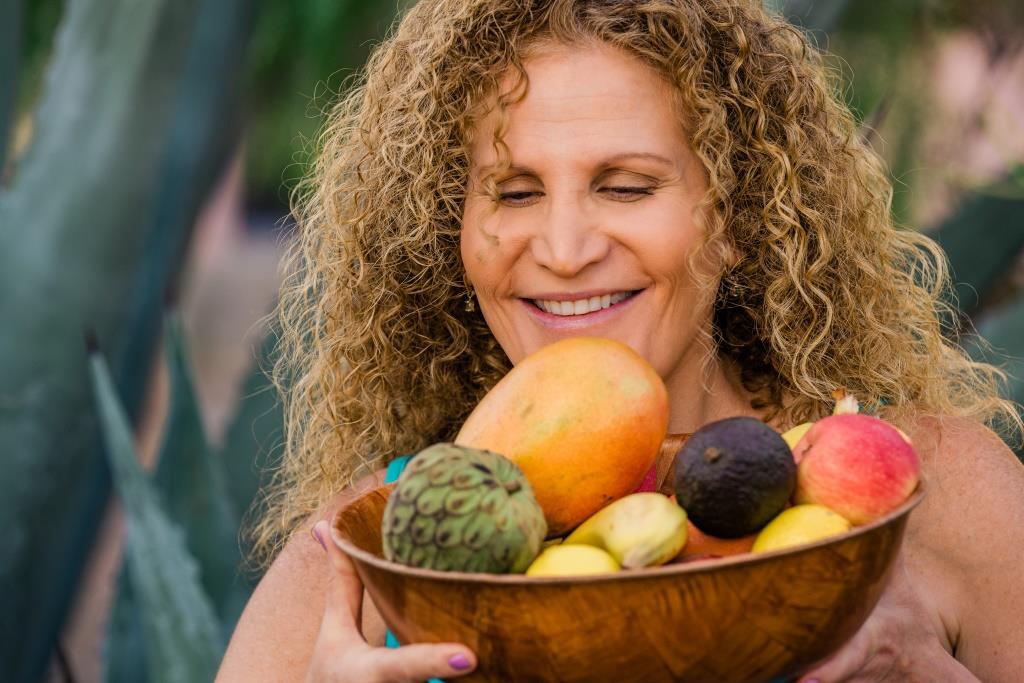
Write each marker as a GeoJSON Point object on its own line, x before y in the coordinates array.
{"type": "Point", "coordinates": [462, 509]}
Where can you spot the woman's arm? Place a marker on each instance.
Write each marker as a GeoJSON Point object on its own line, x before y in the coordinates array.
{"type": "Point", "coordinates": [303, 621]}
{"type": "Point", "coordinates": [976, 533]}
{"type": "Point", "coordinates": [274, 638]}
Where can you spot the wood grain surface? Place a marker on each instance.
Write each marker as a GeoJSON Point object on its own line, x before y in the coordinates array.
{"type": "Point", "coordinates": [736, 619]}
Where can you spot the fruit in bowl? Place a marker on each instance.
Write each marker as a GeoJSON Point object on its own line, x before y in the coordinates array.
{"type": "Point", "coordinates": [458, 508]}
{"type": "Point", "coordinates": [800, 525]}
{"type": "Point", "coordinates": [640, 530]}
{"type": "Point", "coordinates": [857, 465]}
{"type": "Point", "coordinates": [583, 418]}
{"type": "Point", "coordinates": [733, 476]}
{"type": "Point", "coordinates": [634, 592]}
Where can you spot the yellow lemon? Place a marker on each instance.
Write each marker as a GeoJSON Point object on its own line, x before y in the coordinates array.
{"type": "Point", "coordinates": [572, 560]}
{"type": "Point", "coordinates": [793, 436]}
{"type": "Point", "coordinates": [799, 525]}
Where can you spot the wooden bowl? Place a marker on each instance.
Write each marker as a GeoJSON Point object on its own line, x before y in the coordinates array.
{"type": "Point", "coordinates": [741, 618]}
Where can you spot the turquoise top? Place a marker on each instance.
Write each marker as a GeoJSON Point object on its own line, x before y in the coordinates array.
{"type": "Point", "coordinates": [395, 468]}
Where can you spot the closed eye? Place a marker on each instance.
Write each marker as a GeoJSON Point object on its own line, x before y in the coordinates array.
{"type": "Point", "coordinates": [626, 193]}
{"type": "Point", "coordinates": [521, 198]}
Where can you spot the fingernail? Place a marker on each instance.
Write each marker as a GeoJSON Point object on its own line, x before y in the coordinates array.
{"type": "Point", "coordinates": [459, 662]}
{"type": "Point", "coordinates": [320, 540]}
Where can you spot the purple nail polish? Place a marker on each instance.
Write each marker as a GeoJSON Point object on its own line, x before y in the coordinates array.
{"type": "Point", "coordinates": [316, 535]}
{"type": "Point", "coordinates": [459, 662]}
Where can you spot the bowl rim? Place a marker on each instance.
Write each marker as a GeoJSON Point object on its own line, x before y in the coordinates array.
{"type": "Point", "coordinates": [692, 567]}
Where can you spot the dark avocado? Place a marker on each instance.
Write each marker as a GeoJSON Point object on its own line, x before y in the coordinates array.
{"type": "Point", "coordinates": [733, 476]}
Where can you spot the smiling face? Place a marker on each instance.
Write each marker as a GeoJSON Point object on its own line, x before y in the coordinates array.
{"type": "Point", "coordinates": [594, 222]}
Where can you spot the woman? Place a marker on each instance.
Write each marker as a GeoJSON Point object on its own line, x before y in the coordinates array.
{"type": "Point", "coordinates": [674, 174]}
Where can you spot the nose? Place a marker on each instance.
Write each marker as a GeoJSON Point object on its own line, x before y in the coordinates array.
{"type": "Point", "coordinates": [570, 239]}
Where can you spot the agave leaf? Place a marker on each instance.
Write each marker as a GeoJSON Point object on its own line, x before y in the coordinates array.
{"type": "Point", "coordinates": [1003, 345]}
{"type": "Point", "coordinates": [254, 440]}
{"type": "Point", "coordinates": [983, 239]}
{"type": "Point", "coordinates": [202, 133]}
{"type": "Point", "coordinates": [1003, 332]}
{"type": "Point", "coordinates": [124, 649]}
{"type": "Point", "coordinates": [190, 479]}
{"type": "Point", "coordinates": [10, 53]}
{"type": "Point", "coordinates": [74, 226]}
{"type": "Point", "coordinates": [179, 627]}
{"type": "Point", "coordinates": [59, 274]}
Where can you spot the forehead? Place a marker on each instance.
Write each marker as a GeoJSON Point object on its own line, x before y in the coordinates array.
{"type": "Point", "coordinates": [589, 100]}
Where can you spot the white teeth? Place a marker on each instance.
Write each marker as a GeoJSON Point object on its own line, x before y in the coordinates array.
{"type": "Point", "coordinates": [580, 306]}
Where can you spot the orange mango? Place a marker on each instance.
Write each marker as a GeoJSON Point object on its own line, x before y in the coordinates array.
{"type": "Point", "coordinates": [583, 417]}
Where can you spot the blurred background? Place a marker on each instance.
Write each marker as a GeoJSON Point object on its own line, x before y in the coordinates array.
{"type": "Point", "coordinates": [147, 154]}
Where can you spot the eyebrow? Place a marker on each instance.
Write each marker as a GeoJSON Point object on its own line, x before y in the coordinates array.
{"type": "Point", "coordinates": [519, 169]}
{"type": "Point", "coordinates": [647, 156]}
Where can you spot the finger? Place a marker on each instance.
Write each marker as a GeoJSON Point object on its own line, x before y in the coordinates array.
{"type": "Point", "coordinates": [343, 610]}
{"type": "Point", "coordinates": [417, 663]}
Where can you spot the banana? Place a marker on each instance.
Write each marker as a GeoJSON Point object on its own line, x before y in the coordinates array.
{"type": "Point", "coordinates": [639, 530]}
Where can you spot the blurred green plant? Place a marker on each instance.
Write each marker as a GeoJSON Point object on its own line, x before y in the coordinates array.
{"type": "Point", "coordinates": [135, 119]}
{"type": "Point", "coordinates": [10, 60]}
{"type": "Point", "coordinates": [301, 54]}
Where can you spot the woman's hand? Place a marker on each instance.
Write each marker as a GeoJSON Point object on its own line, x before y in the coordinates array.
{"type": "Point", "coordinates": [342, 654]}
{"type": "Point", "coordinates": [899, 642]}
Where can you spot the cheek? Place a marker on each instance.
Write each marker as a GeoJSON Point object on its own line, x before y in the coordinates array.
{"type": "Point", "coordinates": [480, 248]}
{"type": "Point", "coordinates": [666, 240]}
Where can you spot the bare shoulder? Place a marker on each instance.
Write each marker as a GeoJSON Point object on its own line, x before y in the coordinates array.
{"type": "Point", "coordinates": [954, 446]}
{"type": "Point", "coordinates": [971, 473]}
{"type": "Point", "coordinates": [274, 638]}
{"type": "Point", "coordinates": [966, 540]}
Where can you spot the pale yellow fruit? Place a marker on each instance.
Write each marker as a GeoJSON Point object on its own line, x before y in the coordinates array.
{"type": "Point", "coordinates": [640, 530]}
{"type": "Point", "coordinates": [799, 525]}
{"type": "Point", "coordinates": [793, 436]}
{"type": "Point", "coordinates": [572, 560]}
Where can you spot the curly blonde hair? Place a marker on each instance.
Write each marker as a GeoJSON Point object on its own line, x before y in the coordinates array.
{"type": "Point", "coordinates": [379, 357]}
